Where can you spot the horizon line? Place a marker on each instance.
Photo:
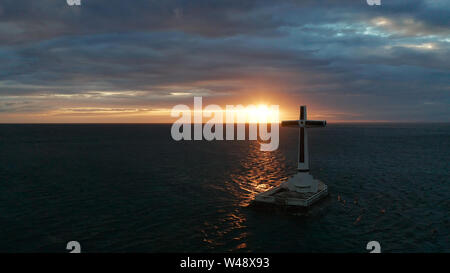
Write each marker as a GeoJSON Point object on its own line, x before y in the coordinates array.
{"type": "Point", "coordinates": [169, 123]}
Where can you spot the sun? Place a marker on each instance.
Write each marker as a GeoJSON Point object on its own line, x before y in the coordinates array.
{"type": "Point", "coordinates": [262, 114]}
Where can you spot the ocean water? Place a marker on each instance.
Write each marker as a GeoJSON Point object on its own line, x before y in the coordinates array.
{"type": "Point", "coordinates": [131, 188]}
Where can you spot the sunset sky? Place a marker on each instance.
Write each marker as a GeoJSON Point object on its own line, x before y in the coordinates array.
{"type": "Point", "coordinates": [132, 61]}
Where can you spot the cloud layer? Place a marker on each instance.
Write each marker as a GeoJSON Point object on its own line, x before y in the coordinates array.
{"type": "Point", "coordinates": [349, 60]}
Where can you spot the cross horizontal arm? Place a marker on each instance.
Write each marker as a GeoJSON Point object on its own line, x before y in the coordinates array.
{"type": "Point", "coordinates": [315, 123]}
{"type": "Point", "coordinates": [303, 123]}
{"type": "Point", "coordinates": [289, 123]}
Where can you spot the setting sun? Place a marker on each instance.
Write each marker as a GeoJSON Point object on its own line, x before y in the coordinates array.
{"type": "Point", "coordinates": [262, 114]}
{"type": "Point", "coordinates": [252, 113]}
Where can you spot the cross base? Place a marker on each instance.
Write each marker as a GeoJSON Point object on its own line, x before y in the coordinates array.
{"type": "Point", "coordinates": [282, 196]}
{"type": "Point", "coordinates": [302, 182]}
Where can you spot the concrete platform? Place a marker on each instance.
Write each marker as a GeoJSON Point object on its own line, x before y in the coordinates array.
{"type": "Point", "coordinates": [281, 196]}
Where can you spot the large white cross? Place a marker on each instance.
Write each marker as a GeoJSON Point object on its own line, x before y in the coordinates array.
{"type": "Point", "coordinates": [303, 123]}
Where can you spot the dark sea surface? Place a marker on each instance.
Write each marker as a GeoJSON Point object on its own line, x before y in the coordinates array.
{"type": "Point", "coordinates": [131, 188]}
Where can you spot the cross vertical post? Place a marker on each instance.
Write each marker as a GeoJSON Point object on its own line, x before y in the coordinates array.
{"type": "Point", "coordinates": [303, 155]}
{"type": "Point", "coordinates": [303, 123]}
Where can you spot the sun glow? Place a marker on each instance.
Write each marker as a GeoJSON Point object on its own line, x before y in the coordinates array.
{"type": "Point", "coordinates": [262, 114]}
{"type": "Point", "coordinates": [238, 114]}
{"type": "Point", "coordinates": [252, 114]}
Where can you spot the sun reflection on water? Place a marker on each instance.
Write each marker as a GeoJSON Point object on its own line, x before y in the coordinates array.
{"type": "Point", "coordinates": [257, 172]}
